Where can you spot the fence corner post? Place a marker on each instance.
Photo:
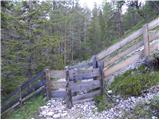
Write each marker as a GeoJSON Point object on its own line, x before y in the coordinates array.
{"type": "Point", "coordinates": [101, 67]}
{"type": "Point", "coordinates": [68, 89]}
{"type": "Point", "coordinates": [48, 83]}
{"type": "Point", "coordinates": [146, 40]}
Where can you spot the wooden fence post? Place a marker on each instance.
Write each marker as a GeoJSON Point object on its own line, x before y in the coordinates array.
{"type": "Point", "coordinates": [146, 40]}
{"type": "Point", "coordinates": [101, 66]}
{"type": "Point", "coordinates": [94, 64]}
{"type": "Point", "coordinates": [68, 90]}
{"type": "Point", "coordinates": [94, 61]}
{"type": "Point", "coordinates": [48, 83]}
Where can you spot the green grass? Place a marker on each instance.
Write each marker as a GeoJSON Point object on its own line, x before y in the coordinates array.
{"type": "Point", "coordinates": [102, 103]}
{"type": "Point", "coordinates": [27, 111]}
{"type": "Point", "coordinates": [132, 82]}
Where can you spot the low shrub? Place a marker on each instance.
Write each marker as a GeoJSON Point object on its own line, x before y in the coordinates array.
{"type": "Point", "coordinates": [134, 81]}
{"type": "Point", "coordinates": [100, 103]}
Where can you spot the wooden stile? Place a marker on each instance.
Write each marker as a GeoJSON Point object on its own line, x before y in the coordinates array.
{"type": "Point", "coordinates": [88, 85]}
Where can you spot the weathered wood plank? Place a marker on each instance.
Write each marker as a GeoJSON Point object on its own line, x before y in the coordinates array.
{"type": "Point", "coordinates": [68, 90]}
{"type": "Point", "coordinates": [124, 53]}
{"type": "Point", "coordinates": [101, 67]}
{"type": "Point", "coordinates": [85, 86]}
{"type": "Point", "coordinates": [48, 83]}
{"type": "Point", "coordinates": [85, 64]}
{"type": "Point", "coordinates": [153, 35]}
{"type": "Point", "coordinates": [118, 45]}
{"type": "Point", "coordinates": [121, 65]}
{"type": "Point", "coordinates": [146, 40]}
{"type": "Point", "coordinates": [128, 61]}
{"type": "Point", "coordinates": [154, 46]}
{"type": "Point", "coordinates": [83, 74]}
{"type": "Point", "coordinates": [153, 24]}
{"type": "Point", "coordinates": [128, 39]}
{"type": "Point", "coordinates": [86, 96]}
{"type": "Point", "coordinates": [57, 74]}
{"type": "Point", "coordinates": [39, 75]}
{"type": "Point", "coordinates": [59, 93]}
{"type": "Point", "coordinates": [58, 84]}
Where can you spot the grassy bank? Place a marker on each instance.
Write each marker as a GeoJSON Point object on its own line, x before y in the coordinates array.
{"type": "Point", "coordinates": [27, 111]}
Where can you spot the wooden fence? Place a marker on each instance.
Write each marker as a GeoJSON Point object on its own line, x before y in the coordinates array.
{"type": "Point", "coordinates": [84, 82]}
{"type": "Point", "coordinates": [134, 48]}
{"type": "Point", "coordinates": [140, 44]}
{"type": "Point", "coordinates": [38, 84]}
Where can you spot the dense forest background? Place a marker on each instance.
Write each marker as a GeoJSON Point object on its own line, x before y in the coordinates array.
{"type": "Point", "coordinates": [52, 34]}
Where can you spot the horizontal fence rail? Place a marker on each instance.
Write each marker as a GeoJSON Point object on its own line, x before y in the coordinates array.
{"type": "Point", "coordinates": [32, 87]}
{"type": "Point", "coordinates": [130, 50]}
{"type": "Point", "coordinates": [153, 24]}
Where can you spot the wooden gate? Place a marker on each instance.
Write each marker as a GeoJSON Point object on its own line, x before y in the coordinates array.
{"type": "Point", "coordinates": [84, 83]}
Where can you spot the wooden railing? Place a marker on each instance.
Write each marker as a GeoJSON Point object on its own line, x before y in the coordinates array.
{"type": "Point", "coordinates": [38, 84]}
{"type": "Point", "coordinates": [86, 78]}
{"type": "Point", "coordinates": [133, 48]}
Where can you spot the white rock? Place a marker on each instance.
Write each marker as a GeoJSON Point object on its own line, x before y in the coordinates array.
{"type": "Point", "coordinates": [56, 116]}
{"type": "Point", "coordinates": [43, 113]}
{"type": "Point", "coordinates": [63, 114]}
{"type": "Point", "coordinates": [109, 91]}
{"type": "Point", "coordinates": [154, 117]}
{"type": "Point", "coordinates": [50, 113]}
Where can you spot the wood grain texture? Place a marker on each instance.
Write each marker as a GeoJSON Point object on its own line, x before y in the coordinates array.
{"type": "Point", "coordinates": [83, 74]}
{"type": "Point", "coordinates": [124, 53]}
{"type": "Point", "coordinates": [146, 40]}
{"type": "Point", "coordinates": [120, 44]}
{"type": "Point", "coordinates": [126, 40]}
{"type": "Point", "coordinates": [121, 65]}
{"type": "Point", "coordinates": [153, 24]}
{"type": "Point", "coordinates": [85, 86]}
{"type": "Point", "coordinates": [153, 35]}
{"type": "Point", "coordinates": [86, 96]}
{"type": "Point", "coordinates": [58, 84]}
{"type": "Point", "coordinates": [128, 61]}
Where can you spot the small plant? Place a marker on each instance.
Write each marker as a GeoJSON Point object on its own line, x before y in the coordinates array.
{"type": "Point", "coordinates": [100, 103]}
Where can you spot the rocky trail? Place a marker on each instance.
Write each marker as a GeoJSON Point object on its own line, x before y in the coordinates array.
{"type": "Point", "coordinates": [55, 108]}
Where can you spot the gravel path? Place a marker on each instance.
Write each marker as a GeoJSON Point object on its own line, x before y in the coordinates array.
{"type": "Point", "coordinates": [56, 109]}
